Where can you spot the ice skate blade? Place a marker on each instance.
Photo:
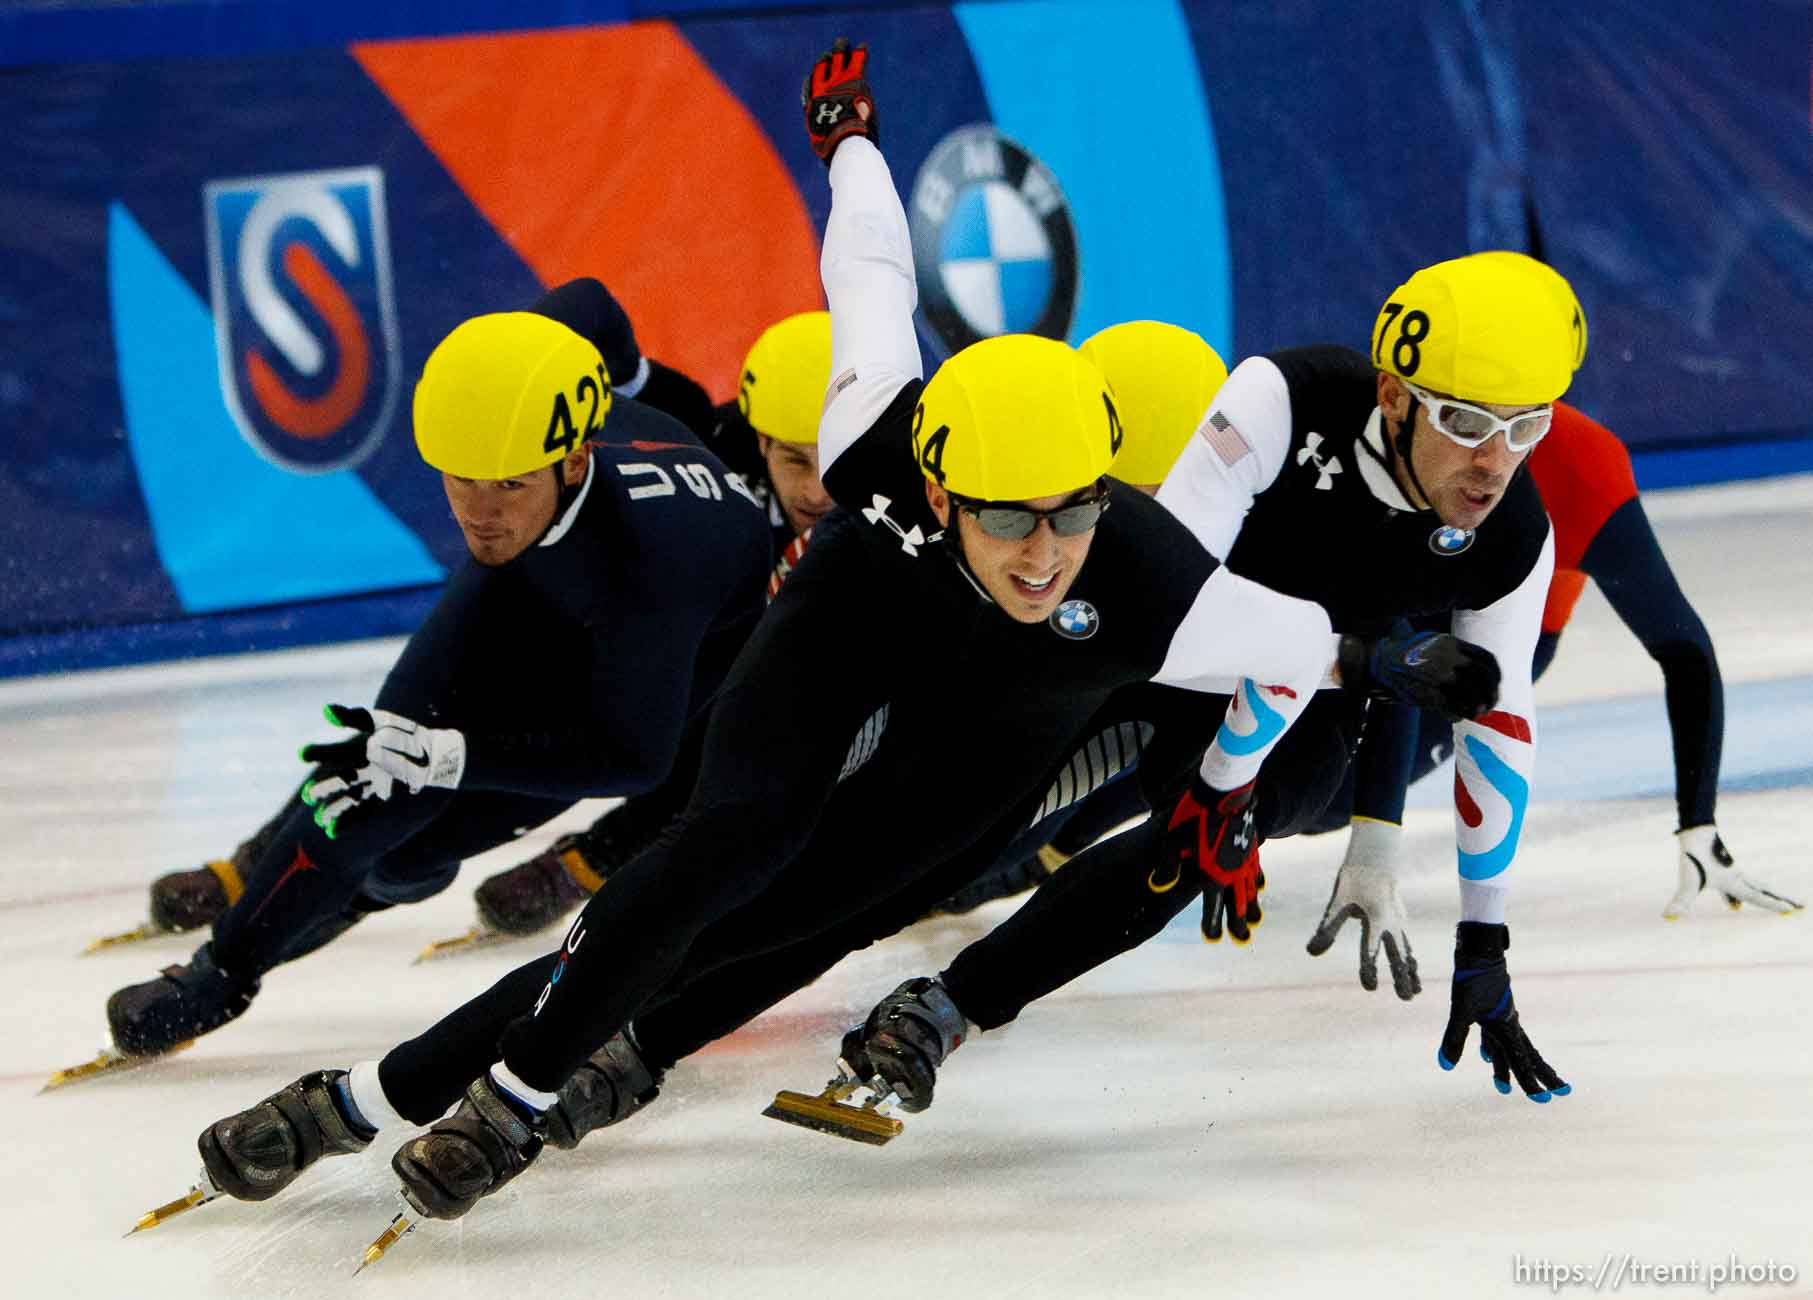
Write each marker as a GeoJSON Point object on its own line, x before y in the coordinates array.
{"type": "Point", "coordinates": [825, 1113]}
{"type": "Point", "coordinates": [106, 1061]}
{"type": "Point", "coordinates": [477, 937]}
{"type": "Point", "coordinates": [145, 930]}
{"type": "Point", "coordinates": [200, 1194]}
{"type": "Point", "coordinates": [401, 1226]}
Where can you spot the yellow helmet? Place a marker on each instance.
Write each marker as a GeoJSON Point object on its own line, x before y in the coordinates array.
{"type": "Point", "coordinates": [1016, 417]}
{"type": "Point", "coordinates": [782, 392]}
{"type": "Point", "coordinates": [1484, 328]}
{"type": "Point", "coordinates": [1163, 378]}
{"type": "Point", "coordinates": [508, 393]}
{"type": "Point", "coordinates": [1558, 287]}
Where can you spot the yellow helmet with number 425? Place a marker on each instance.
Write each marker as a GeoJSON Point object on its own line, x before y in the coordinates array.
{"type": "Point", "coordinates": [1488, 327]}
{"type": "Point", "coordinates": [508, 393]}
{"type": "Point", "coordinates": [1014, 418]}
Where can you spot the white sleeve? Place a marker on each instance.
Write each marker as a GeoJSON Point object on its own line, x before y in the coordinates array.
{"type": "Point", "coordinates": [867, 268]}
{"type": "Point", "coordinates": [1270, 651]}
{"type": "Point", "coordinates": [1237, 628]}
{"type": "Point", "coordinates": [1495, 755]}
{"type": "Point", "coordinates": [1236, 453]}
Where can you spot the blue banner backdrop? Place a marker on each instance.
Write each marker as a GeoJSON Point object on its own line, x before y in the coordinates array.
{"type": "Point", "coordinates": [228, 242]}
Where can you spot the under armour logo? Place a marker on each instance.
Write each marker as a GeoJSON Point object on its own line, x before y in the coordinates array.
{"type": "Point", "coordinates": [1243, 834]}
{"type": "Point", "coordinates": [1325, 469]}
{"type": "Point", "coordinates": [911, 539]}
{"type": "Point", "coordinates": [829, 112]}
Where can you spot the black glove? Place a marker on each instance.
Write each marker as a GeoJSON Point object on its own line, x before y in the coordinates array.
{"type": "Point", "coordinates": [1431, 670]}
{"type": "Point", "coordinates": [1212, 831]}
{"type": "Point", "coordinates": [1482, 996]}
{"type": "Point", "coordinates": [837, 100]}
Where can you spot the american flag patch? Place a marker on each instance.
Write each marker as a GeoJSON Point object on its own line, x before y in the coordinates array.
{"type": "Point", "coordinates": [838, 385]}
{"type": "Point", "coordinates": [1221, 434]}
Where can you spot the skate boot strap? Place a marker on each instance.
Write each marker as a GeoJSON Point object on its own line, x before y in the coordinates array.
{"type": "Point", "coordinates": [1051, 857]}
{"type": "Point", "coordinates": [923, 1002]}
{"type": "Point", "coordinates": [228, 874]}
{"type": "Point", "coordinates": [503, 1119]}
{"type": "Point", "coordinates": [610, 1087]}
{"type": "Point", "coordinates": [321, 1129]}
{"type": "Point", "coordinates": [578, 869]}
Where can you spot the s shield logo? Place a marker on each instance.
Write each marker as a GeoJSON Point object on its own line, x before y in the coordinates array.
{"type": "Point", "coordinates": [993, 243]}
{"type": "Point", "coordinates": [305, 325]}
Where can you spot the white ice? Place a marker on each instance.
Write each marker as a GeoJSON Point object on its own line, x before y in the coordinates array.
{"type": "Point", "coordinates": [1189, 1121]}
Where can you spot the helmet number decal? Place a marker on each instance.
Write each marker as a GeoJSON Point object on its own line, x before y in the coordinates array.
{"type": "Point", "coordinates": [931, 451]}
{"type": "Point", "coordinates": [1114, 426]}
{"type": "Point", "coordinates": [1406, 353]}
{"type": "Point", "coordinates": [562, 432]}
{"type": "Point", "coordinates": [743, 392]}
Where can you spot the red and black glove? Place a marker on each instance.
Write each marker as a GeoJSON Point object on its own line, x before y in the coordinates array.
{"type": "Point", "coordinates": [1213, 831]}
{"type": "Point", "coordinates": [837, 99]}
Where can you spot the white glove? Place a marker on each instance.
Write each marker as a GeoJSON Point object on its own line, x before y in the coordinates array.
{"type": "Point", "coordinates": [389, 749]}
{"type": "Point", "coordinates": [1367, 887]}
{"type": "Point", "coordinates": [1705, 863]}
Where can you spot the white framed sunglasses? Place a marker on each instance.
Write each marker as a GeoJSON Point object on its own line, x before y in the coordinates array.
{"type": "Point", "coordinates": [1472, 426]}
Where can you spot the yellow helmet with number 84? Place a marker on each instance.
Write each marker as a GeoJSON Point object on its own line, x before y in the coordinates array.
{"type": "Point", "coordinates": [1015, 418]}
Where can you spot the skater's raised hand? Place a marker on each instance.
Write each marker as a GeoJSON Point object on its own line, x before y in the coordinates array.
{"type": "Point", "coordinates": [1432, 670]}
{"type": "Point", "coordinates": [1213, 832]}
{"type": "Point", "coordinates": [389, 749]}
{"type": "Point", "coordinates": [1482, 996]}
{"type": "Point", "coordinates": [837, 100]}
{"type": "Point", "coordinates": [1705, 863]}
{"type": "Point", "coordinates": [1366, 889]}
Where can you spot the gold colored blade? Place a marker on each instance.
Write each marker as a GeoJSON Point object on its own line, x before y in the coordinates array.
{"type": "Point", "coordinates": [145, 930]}
{"type": "Point", "coordinates": [164, 1213]}
{"type": "Point", "coordinates": [826, 1114]}
{"type": "Point", "coordinates": [399, 1228]}
{"type": "Point", "coordinates": [477, 937]}
{"type": "Point", "coordinates": [106, 1061]}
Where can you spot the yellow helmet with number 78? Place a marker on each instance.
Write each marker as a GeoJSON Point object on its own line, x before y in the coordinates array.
{"type": "Point", "coordinates": [508, 393]}
{"type": "Point", "coordinates": [1487, 327]}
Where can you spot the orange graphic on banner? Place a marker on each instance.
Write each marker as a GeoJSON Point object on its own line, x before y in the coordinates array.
{"type": "Point", "coordinates": [617, 152]}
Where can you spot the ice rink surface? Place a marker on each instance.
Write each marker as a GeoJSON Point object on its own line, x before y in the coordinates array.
{"type": "Point", "coordinates": [1188, 1121]}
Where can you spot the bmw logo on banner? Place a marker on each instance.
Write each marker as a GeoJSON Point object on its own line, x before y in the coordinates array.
{"type": "Point", "coordinates": [993, 243]}
{"type": "Point", "coordinates": [305, 324]}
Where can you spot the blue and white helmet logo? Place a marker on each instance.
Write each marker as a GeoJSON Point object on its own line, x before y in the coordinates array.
{"type": "Point", "coordinates": [1075, 619]}
{"type": "Point", "coordinates": [993, 243]}
{"type": "Point", "coordinates": [1450, 541]}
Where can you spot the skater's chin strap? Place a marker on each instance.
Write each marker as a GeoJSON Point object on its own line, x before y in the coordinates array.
{"type": "Point", "coordinates": [953, 547]}
{"type": "Point", "coordinates": [567, 502]}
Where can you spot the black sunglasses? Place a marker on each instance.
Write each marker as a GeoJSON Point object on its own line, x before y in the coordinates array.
{"type": "Point", "coordinates": [1015, 523]}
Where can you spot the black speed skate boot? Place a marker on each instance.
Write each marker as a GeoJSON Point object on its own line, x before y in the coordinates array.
{"type": "Point", "coordinates": [905, 1039]}
{"type": "Point", "coordinates": [485, 1143]}
{"type": "Point", "coordinates": [1005, 882]}
{"type": "Point", "coordinates": [188, 900]}
{"type": "Point", "coordinates": [610, 1087]}
{"type": "Point", "coordinates": [183, 1003]}
{"type": "Point", "coordinates": [533, 895]}
{"type": "Point", "coordinates": [257, 1153]}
